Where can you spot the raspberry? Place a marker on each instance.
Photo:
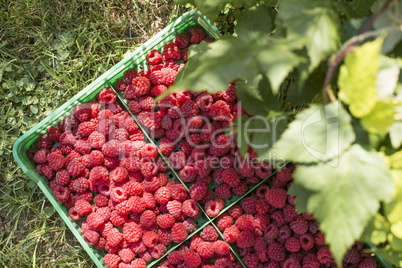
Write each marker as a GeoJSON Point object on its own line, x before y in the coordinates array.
{"type": "Point", "coordinates": [53, 134]}
{"type": "Point", "coordinates": [240, 189]}
{"type": "Point", "coordinates": [209, 233]}
{"type": "Point", "coordinates": [120, 135]}
{"type": "Point", "coordinates": [198, 191]}
{"type": "Point", "coordinates": [223, 191]}
{"type": "Point", "coordinates": [284, 175]}
{"type": "Point", "coordinates": [96, 139]}
{"type": "Point", "coordinates": [148, 218]}
{"type": "Point", "coordinates": [118, 174]}
{"type": "Point", "coordinates": [40, 156]}
{"type": "Point", "coordinates": [263, 170]}
{"type": "Point", "coordinates": [149, 169]}
{"type": "Point", "coordinates": [75, 168]}
{"type": "Point", "coordinates": [245, 168]}
{"type": "Point", "coordinates": [166, 146]}
{"type": "Point", "coordinates": [98, 175]}
{"type": "Point", "coordinates": [231, 234]}
{"type": "Point", "coordinates": [278, 217]}
{"type": "Point", "coordinates": [204, 101]}
{"type": "Point", "coordinates": [230, 177]}
{"type": "Point", "coordinates": [235, 212]}
{"type": "Point", "coordinates": [187, 174]}
{"type": "Point", "coordinates": [171, 51]}
{"type": "Point", "coordinates": [352, 256]}
{"type": "Point", "coordinates": [190, 108]}
{"type": "Point", "coordinates": [261, 221]}
{"type": "Point", "coordinates": [174, 208]}
{"type": "Point", "coordinates": [324, 255]}
{"type": "Point", "coordinates": [191, 259]}
{"type": "Point", "coordinates": [249, 204]}
{"type": "Point", "coordinates": [120, 85]}
{"type": "Point", "coordinates": [158, 251]}
{"type": "Point", "coordinates": [300, 225]}
{"type": "Point", "coordinates": [212, 208]}
{"type": "Point", "coordinates": [165, 220]}
{"type": "Point", "coordinates": [168, 76]}
{"type": "Point", "coordinates": [276, 252]}
{"type": "Point", "coordinates": [132, 163]}
{"type": "Point", "coordinates": [190, 225]}
{"type": "Point", "coordinates": [276, 197]}
{"type": "Point", "coordinates": [196, 240]}
{"type": "Point", "coordinates": [177, 160]}
{"type": "Point", "coordinates": [224, 221]}
{"type": "Point", "coordinates": [132, 232]}
{"type": "Point", "coordinates": [162, 195]}
{"type": "Point", "coordinates": [221, 247]}
{"type": "Point", "coordinates": [182, 40]}
{"type": "Point", "coordinates": [96, 158]}
{"type": "Point", "coordinates": [190, 208]}
{"type": "Point", "coordinates": [179, 233]}
{"type": "Point", "coordinates": [118, 194]}
{"type": "Point", "coordinates": [197, 35]}
{"type": "Point", "coordinates": [245, 222]}
{"type": "Point", "coordinates": [271, 232]}
{"type": "Point", "coordinates": [130, 74]}
{"type": "Point", "coordinates": [150, 239]}
{"type": "Point", "coordinates": [292, 244]}
{"type": "Point", "coordinates": [112, 260]}
{"type": "Point", "coordinates": [245, 240]}
{"type": "Point", "coordinates": [307, 241]}
{"type": "Point", "coordinates": [101, 200]}
{"type": "Point", "coordinates": [138, 247]}
{"type": "Point", "coordinates": [73, 213]}
{"type": "Point", "coordinates": [137, 204]}
{"type": "Point", "coordinates": [150, 184]}
{"type": "Point", "coordinates": [62, 177]}
{"type": "Point", "coordinates": [167, 122]}
{"type": "Point", "coordinates": [55, 161]}
{"type": "Point", "coordinates": [367, 263]}
{"type": "Point", "coordinates": [154, 57]}
{"type": "Point", "coordinates": [219, 110]}
{"type": "Point", "coordinates": [310, 260]}
{"type": "Point", "coordinates": [141, 85]}
{"type": "Point", "coordinates": [289, 213]}
{"type": "Point", "coordinates": [83, 207]}
{"type": "Point", "coordinates": [177, 191]}
{"type": "Point", "coordinates": [107, 96]}
{"type": "Point", "coordinates": [205, 250]}
{"type": "Point", "coordinates": [82, 147]}
{"type": "Point", "coordinates": [175, 257]}
{"type": "Point", "coordinates": [111, 148]}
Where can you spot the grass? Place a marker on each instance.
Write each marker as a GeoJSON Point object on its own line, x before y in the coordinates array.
{"type": "Point", "coordinates": [49, 51]}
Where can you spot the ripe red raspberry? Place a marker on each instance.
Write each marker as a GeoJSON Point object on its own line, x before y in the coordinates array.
{"type": "Point", "coordinates": [284, 175]}
{"type": "Point", "coordinates": [53, 134]}
{"type": "Point", "coordinates": [175, 257]}
{"type": "Point", "coordinates": [231, 177]}
{"type": "Point", "coordinates": [171, 51]}
{"type": "Point", "coordinates": [112, 260]}
{"type": "Point", "coordinates": [224, 221]}
{"type": "Point", "coordinates": [310, 260]}
{"type": "Point", "coordinates": [132, 232]}
{"type": "Point", "coordinates": [245, 240]}
{"type": "Point", "coordinates": [197, 35]}
{"type": "Point", "coordinates": [276, 197]}
{"type": "Point", "coordinates": [132, 163]}
{"type": "Point", "coordinates": [190, 225]}
{"type": "Point", "coordinates": [149, 152]}
{"type": "Point", "coordinates": [40, 156]}
{"type": "Point", "coordinates": [249, 204]}
{"type": "Point", "coordinates": [158, 251]}
{"type": "Point", "coordinates": [166, 146]}
{"type": "Point", "coordinates": [307, 241]}
{"type": "Point", "coordinates": [150, 183]}
{"type": "Point", "coordinates": [126, 255]}
{"type": "Point", "coordinates": [271, 232]}
{"type": "Point", "coordinates": [137, 204]}
{"type": "Point", "coordinates": [276, 252]}
{"type": "Point", "coordinates": [223, 191]}
{"type": "Point", "coordinates": [118, 194]}
{"type": "Point", "coordinates": [196, 240]}
{"type": "Point", "coordinates": [168, 76]}
{"type": "Point", "coordinates": [204, 101]}
{"type": "Point", "coordinates": [219, 110]}
{"type": "Point", "coordinates": [278, 217]}
{"type": "Point", "coordinates": [146, 103]}
{"type": "Point", "coordinates": [150, 239]}
{"type": "Point", "coordinates": [190, 208]}
{"type": "Point", "coordinates": [141, 85]}
{"type": "Point", "coordinates": [198, 191]}
{"type": "Point", "coordinates": [165, 220]}
{"type": "Point", "coordinates": [107, 96]}
{"type": "Point", "coordinates": [182, 40]}
{"type": "Point", "coordinates": [120, 85]}
{"type": "Point", "coordinates": [245, 222]}
{"type": "Point", "coordinates": [264, 171]}
{"type": "Point", "coordinates": [149, 169]}
{"type": "Point", "coordinates": [111, 148]}
{"type": "Point", "coordinates": [292, 244]}
{"type": "Point", "coordinates": [220, 146]}
{"type": "Point", "coordinates": [241, 189]}
{"type": "Point", "coordinates": [55, 161]}
{"type": "Point", "coordinates": [94, 220]}
{"type": "Point", "coordinates": [177, 191]}
{"type": "Point", "coordinates": [179, 233]}
{"type": "Point", "coordinates": [367, 263]}
{"type": "Point", "coordinates": [98, 175]}
{"type": "Point", "coordinates": [75, 168]}
{"type": "Point", "coordinates": [148, 218]}
{"type": "Point", "coordinates": [96, 158]}
{"type": "Point", "coordinates": [96, 139]}
{"type": "Point", "coordinates": [261, 221]}
{"type": "Point", "coordinates": [101, 200]}
{"type": "Point", "coordinates": [205, 249]}
{"type": "Point", "coordinates": [158, 89]}
{"type": "Point", "coordinates": [324, 255]}
{"type": "Point", "coordinates": [82, 147]}
{"type": "Point", "coordinates": [133, 188]}
{"type": "Point", "coordinates": [162, 195]}
{"type": "Point", "coordinates": [300, 225]}
{"type": "Point", "coordinates": [62, 177]}
{"type": "Point", "coordinates": [120, 135]}
{"type": "Point", "coordinates": [177, 160]}
{"type": "Point", "coordinates": [209, 234]}
{"type": "Point", "coordinates": [83, 207]}
{"type": "Point", "coordinates": [129, 75]}
{"type": "Point", "coordinates": [154, 57]}
{"type": "Point", "coordinates": [190, 108]}
{"type": "Point", "coordinates": [187, 174]}
{"type": "Point", "coordinates": [174, 208]}
{"type": "Point", "coordinates": [212, 208]}
{"type": "Point", "coordinates": [191, 259]}
{"type": "Point", "coordinates": [73, 213]}
{"type": "Point", "coordinates": [235, 212]}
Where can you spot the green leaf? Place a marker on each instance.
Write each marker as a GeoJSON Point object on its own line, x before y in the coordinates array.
{"type": "Point", "coordinates": [314, 19]}
{"type": "Point", "coordinates": [255, 19]}
{"type": "Point", "coordinates": [357, 88]}
{"type": "Point", "coordinates": [376, 230]}
{"type": "Point", "coordinates": [387, 77]}
{"type": "Point", "coordinates": [230, 58]}
{"type": "Point", "coordinates": [396, 229]}
{"type": "Point", "coordinates": [346, 195]}
{"type": "Point", "coordinates": [388, 254]}
{"type": "Point", "coordinates": [256, 96]}
{"type": "Point", "coordinates": [34, 108]}
{"type": "Point", "coordinates": [301, 196]}
{"type": "Point", "coordinates": [265, 131]}
{"type": "Point", "coordinates": [241, 137]}
{"type": "Point", "coordinates": [395, 134]}
{"type": "Point", "coordinates": [380, 118]}
{"type": "Point", "coordinates": [318, 133]}
{"type": "Point", "coordinates": [358, 8]}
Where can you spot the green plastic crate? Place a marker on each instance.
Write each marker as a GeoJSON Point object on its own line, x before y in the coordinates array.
{"type": "Point", "coordinates": [136, 59]}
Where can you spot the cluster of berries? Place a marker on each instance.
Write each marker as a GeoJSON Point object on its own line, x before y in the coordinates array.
{"type": "Point", "coordinates": [107, 174]}
{"type": "Point", "coordinates": [202, 248]}
{"type": "Point", "coordinates": [191, 127]}
{"type": "Point", "coordinates": [268, 231]}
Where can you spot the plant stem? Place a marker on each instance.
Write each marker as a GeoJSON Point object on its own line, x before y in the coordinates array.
{"type": "Point", "coordinates": [348, 47]}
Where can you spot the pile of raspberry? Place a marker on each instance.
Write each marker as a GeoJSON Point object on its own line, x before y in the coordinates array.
{"type": "Point", "coordinates": [205, 249]}
{"type": "Point", "coordinates": [268, 232]}
{"type": "Point", "coordinates": [190, 127]}
{"type": "Point", "coordinates": [115, 183]}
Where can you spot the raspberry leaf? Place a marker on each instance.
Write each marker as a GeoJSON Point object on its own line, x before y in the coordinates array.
{"type": "Point", "coordinates": [318, 133]}
{"type": "Point", "coordinates": [254, 19]}
{"type": "Point", "coordinates": [357, 88]}
{"type": "Point", "coordinates": [380, 118]}
{"type": "Point", "coordinates": [376, 230]}
{"type": "Point", "coordinates": [301, 19]}
{"type": "Point", "coordinates": [347, 197]}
